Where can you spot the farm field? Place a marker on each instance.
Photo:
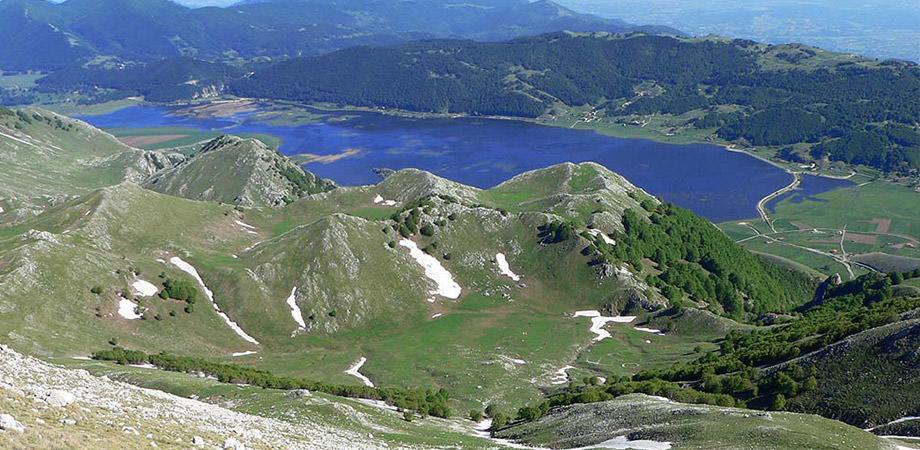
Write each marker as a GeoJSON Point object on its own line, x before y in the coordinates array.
{"type": "Point", "coordinates": [868, 226]}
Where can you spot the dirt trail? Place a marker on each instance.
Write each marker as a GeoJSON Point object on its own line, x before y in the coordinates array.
{"type": "Point", "coordinates": [762, 204]}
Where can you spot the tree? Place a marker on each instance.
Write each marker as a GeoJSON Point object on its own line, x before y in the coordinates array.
{"type": "Point", "coordinates": [779, 403]}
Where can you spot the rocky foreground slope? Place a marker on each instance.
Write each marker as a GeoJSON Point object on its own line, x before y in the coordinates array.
{"type": "Point", "coordinates": [44, 406]}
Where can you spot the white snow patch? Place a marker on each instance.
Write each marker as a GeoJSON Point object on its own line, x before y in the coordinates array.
{"type": "Point", "coordinates": [355, 371]}
{"type": "Point", "coordinates": [447, 287]}
{"type": "Point", "coordinates": [598, 321]}
{"type": "Point", "coordinates": [245, 225]}
{"type": "Point", "coordinates": [187, 268]}
{"type": "Point", "coordinates": [437, 315]}
{"type": "Point", "coordinates": [82, 358]}
{"type": "Point", "coordinates": [295, 310]}
{"type": "Point", "coordinates": [145, 288]}
{"type": "Point", "coordinates": [247, 353]}
{"type": "Point", "coordinates": [607, 239]}
{"type": "Point", "coordinates": [143, 366]}
{"type": "Point", "coordinates": [623, 443]}
{"type": "Point", "coordinates": [561, 376]}
{"type": "Point", "coordinates": [649, 330]}
{"type": "Point", "coordinates": [378, 200]}
{"type": "Point", "coordinates": [377, 404]}
{"type": "Point", "coordinates": [128, 309]}
{"type": "Point", "coordinates": [504, 268]}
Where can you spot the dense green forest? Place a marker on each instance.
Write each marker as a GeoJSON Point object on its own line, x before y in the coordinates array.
{"type": "Point", "coordinates": [857, 111]}
{"type": "Point", "coordinates": [784, 367]}
{"type": "Point", "coordinates": [696, 262]}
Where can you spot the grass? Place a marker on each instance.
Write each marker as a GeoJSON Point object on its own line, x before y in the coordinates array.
{"type": "Point", "coordinates": [159, 138]}
{"type": "Point", "coordinates": [854, 207]}
{"type": "Point", "coordinates": [19, 81]}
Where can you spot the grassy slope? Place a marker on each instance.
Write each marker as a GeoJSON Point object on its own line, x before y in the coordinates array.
{"type": "Point", "coordinates": [688, 426]}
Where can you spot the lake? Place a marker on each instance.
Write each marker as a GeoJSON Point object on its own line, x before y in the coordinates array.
{"type": "Point", "coordinates": [715, 183]}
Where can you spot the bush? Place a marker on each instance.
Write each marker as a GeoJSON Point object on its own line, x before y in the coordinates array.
{"type": "Point", "coordinates": [427, 230]}
{"type": "Point", "coordinates": [499, 420]}
{"type": "Point", "coordinates": [96, 290]}
{"type": "Point", "coordinates": [476, 415]}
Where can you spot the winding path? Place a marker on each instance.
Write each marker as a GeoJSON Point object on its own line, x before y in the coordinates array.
{"type": "Point", "coordinates": [762, 204]}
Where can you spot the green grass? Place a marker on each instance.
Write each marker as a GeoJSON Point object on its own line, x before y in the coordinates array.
{"type": "Point", "coordinates": [853, 207]}
{"type": "Point", "coordinates": [20, 81]}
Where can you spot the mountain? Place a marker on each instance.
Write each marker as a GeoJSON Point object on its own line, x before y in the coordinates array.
{"type": "Point", "coordinates": [827, 106]}
{"type": "Point", "coordinates": [251, 175]}
{"type": "Point", "coordinates": [417, 294]}
{"type": "Point", "coordinates": [49, 158]}
{"type": "Point", "coordinates": [46, 36]}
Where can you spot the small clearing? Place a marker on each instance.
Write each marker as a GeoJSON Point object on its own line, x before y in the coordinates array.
{"type": "Point", "coordinates": [504, 268]}
{"type": "Point", "coordinates": [446, 286]}
{"type": "Point", "coordinates": [355, 371]}
{"type": "Point", "coordinates": [189, 269]}
{"type": "Point", "coordinates": [128, 309]}
{"type": "Point", "coordinates": [598, 321]}
{"type": "Point", "coordinates": [145, 288]}
{"type": "Point", "coordinates": [295, 310]}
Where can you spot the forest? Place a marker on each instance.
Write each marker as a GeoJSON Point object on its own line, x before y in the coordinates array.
{"type": "Point", "coordinates": [860, 112]}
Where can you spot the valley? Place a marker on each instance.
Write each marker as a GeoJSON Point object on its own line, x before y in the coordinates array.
{"type": "Point", "coordinates": [543, 283]}
{"type": "Point", "coordinates": [427, 224]}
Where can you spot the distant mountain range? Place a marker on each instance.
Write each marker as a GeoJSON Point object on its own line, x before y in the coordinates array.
{"type": "Point", "coordinates": [39, 35]}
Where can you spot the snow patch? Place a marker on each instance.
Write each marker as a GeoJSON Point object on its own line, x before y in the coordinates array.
{"type": "Point", "coordinates": [607, 239]}
{"type": "Point", "coordinates": [504, 268]}
{"type": "Point", "coordinates": [355, 371]}
{"type": "Point", "coordinates": [561, 376]}
{"type": "Point", "coordinates": [295, 310]}
{"type": "Point", "coordinates": [623, 443]}
{"type": "Point", "coordinates": [127, 309]}
{"type": "Point", "coordinates": [437, 315]}
{"type": "Point", "coordinates": [598, 321]}
{"type": "Point", "coordinates": [187, 268]}
{"type": "Point", "coordinates": [447, 287]}
{"type": "Point", "coordinates": [143, 366]}
{"type": "Point", "coordinates": [649, 330]}
{"type": "Point", "coordinates": [247, 353]}
{"type": "Point", "coordinates": [378, 200]}
{"type": "Point", "coordinates": [145, 288]}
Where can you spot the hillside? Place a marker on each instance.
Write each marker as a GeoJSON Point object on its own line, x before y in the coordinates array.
{"type": "Point", "coordinates": [563, 285]}
{"type": "Point", "coordinates": [251, 174]}
{"type": "Point", "coordinates": [650, 422]}
{"type": "Point", "coordinates": [48, 158]}
{"type": "Point", "coordinates": [812, 104]}
{"type": "Point", "coordinates": [46, 36]}
{"type": "Point", "coordinates": [421, 263]}
{"type": "Point", "coordinates": [849, 356]}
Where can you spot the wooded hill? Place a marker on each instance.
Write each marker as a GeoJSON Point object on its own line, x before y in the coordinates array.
{"type": "Point", "coordinates": [845, 108]}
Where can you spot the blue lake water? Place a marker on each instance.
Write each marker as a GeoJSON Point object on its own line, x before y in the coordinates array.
{"type": "Point", "coordinates": [707, 179]}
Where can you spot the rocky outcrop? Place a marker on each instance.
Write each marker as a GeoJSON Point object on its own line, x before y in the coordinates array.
{"type": "Point", "coordinates": [79, 407]}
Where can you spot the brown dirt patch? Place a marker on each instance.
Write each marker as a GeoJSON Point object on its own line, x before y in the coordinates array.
{"type": "Point", "coordinates": [142, 141]}
{"type": "Point", "coordinates": [862, 238]}
{"type": "Point", "coordinates": [881, 225]}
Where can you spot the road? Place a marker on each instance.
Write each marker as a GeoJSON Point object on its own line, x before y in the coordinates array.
{"type": "Point", "coordinates": [762, 205]}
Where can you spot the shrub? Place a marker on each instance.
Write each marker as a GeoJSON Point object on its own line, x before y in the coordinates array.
{"type": "Point", "coordinates": [96, 290]}
{"type": "Point", "coordinates": [476, 415]}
